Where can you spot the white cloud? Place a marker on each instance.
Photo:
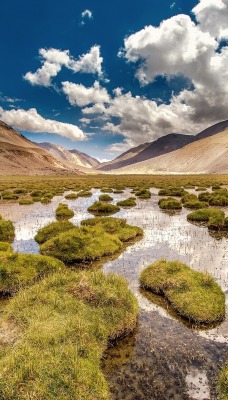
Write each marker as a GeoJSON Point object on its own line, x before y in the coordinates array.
{"type": "Point", "coordinates": [212, 16]}
{"type": "Point", "coordinates": [89, 63]}
{"type": "Point", "coordinates": [87, 13]}
{"type": "Point", "coordinates": [80, 95]}
{"type": "Point", "coordinates": [53, 60]}
{"type": "Point", "coordinates": [31, 121]}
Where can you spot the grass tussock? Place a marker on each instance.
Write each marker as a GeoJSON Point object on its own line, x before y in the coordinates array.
{"type": "Point", "coordinates": [223, 383]}
{"type": "Point", "coordinates": [105, 197]}
{"type": "Point", "coordinates": [65, 322]}
{"type": "Point", "coordinates": [214, 218]}
{"type": "Point", "coordinates": [52, 229]}
{"type": "Point", "coordinates": [63, 212]}
{"type": "Point", "coordinates": [7, 231]}
{"type": "Point", "coordinates": [100, 208]}
{"type": "Point", "coordinates": [169, 203]}
{"type": "Point", "coordinates": [130, 202]}
{"type": "Point", "coordinates": [194, 295]}
{"type": "Point", "coordinates": [20, 270]}
{"type": "Point", "coordinates": [5, 247]}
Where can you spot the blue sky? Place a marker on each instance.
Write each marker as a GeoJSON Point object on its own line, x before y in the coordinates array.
{"type": "Point", "coordinates": [102, 77]}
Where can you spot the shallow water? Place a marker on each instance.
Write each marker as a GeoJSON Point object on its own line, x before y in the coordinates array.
{"type": "Point", "coordinates": [165, 358]}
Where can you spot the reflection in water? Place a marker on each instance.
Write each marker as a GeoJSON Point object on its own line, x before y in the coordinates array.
{"type": "Point", "coordinates": [164, 358]}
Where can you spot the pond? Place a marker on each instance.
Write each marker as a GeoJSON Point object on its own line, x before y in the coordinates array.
{"type": "Point", "coordinates": [166, 357]}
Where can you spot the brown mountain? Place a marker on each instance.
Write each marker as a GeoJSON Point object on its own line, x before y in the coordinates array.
{"type": "Point", "coordinates": [164, 145]}
{"type": "Point", "coordinates": [19, 156]}
{"type": "Point", "coordinates": [204, 156]}
{"type": "Point", "coordinates": [70, 158]}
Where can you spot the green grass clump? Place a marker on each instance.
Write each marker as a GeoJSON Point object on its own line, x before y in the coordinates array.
{"type": "Point", "coordinates": [115, 226]}
{"type": "Point", "coordinates": [130, 202]}
{"type": "Point", "coordinates": [171, 191]}
{"type": "Point", "coordinates": [195, 204]}
{"type": "Point", "coordinates": [81, 245]}
{"type": "Point", "coordinates": [143, 194]}
{"type": "Point", "coordinates": [106, 190]}
{"type": "Point", "coordinates": [7, 233]}
{"type": "Point", "coordinates": [103, 208]}
{"type": "Point", "coordinates": [45, 200]}
{"type": "Point", "coordinates": [23, 202]}
{"type": "Point", "coordinates": [37, 193]}
{"type": "Point", "coordinates": [10, 196]}
{"type": "Point", "coordinates": [52, 229]}
{"type": "Point", "coordinates": [201, 189]}
{"type": "Point", "coordinates": [64, 324]}
{"type": "Point", "coordinates": [204, 214]}
{"type": "Point", "coordinates": [5, 247]}
{"type": "Point", "coordinates": [20, 270]}
{"type": "Point", "coordinates": [85, 193]}
{"type": "Point", "coordinates": [223, 383]}
{"type": "Point", "coordinates": [71, 196]}
{"type": "Point", "coordinates": [63, 212]}
{"type": "Point", "coordinates": [118, 191]}
{"type": "Point", "coordinates": [105, 197]}
{"type": "Point", "coordinates": [192, 294]}
{"type": "Point", "coordinates": [169, 203]}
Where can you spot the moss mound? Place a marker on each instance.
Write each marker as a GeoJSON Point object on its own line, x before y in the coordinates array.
{"type": "Point", "coordinates": [143, 194]}
{"type": "Point", "coordinates": [24, 202]}
{"type": "Point", "coordinates": [116, 226]}
{"type": "Point", "coordinates": [64, 323]}
{"type": "Point", "coordinates": [171, 191]}
{"type": "Point", "coordinates": [204, 214]}
{"type": "Point", "coordinates": [7, 233]}
{"type": "Point", "coordinates": [20, 270]}
{"type": "Point", "coordinates": [103, 208]}
{"type": "Point", "coordinates": [130, 202]}
{"type": "Point", "coordinates": [169, 203]}
{"type": "Point", "coordinates": [52, 229]}
{"type": "Point", "coordinates": [63, 212]}
{"type": "Point", "coordinates": [192, 294]}
{"type": "Point", "coordinates": [195, 204]}
{"type": "Point", "coordinates": [71, 196]}
{"type": "Point", "coordinates": [81, 245]}
{"type": "Point", "coordinates": [105, 197]}
{"type": "Point", "coordinates": [85, 193]}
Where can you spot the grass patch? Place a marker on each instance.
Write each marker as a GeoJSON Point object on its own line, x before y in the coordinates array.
{"type": "Point", "coordinates": [171, 191]}
{"type": "Point", "coordinates": [169, 203]}
{"type": "Point", "coordinates": [143, 194]}
{"type": "Point", "coordinates": [115, 226]}
{"type": "Point", "coordinates": [204, 214]}
{"type": "Point", "coordinates": [103, 208]}
{"type": "Point", "coordinates": [65, 323]}
{"type": "Point", "coordinates": [5, 247]}
{"type": "Point", "coordinates": [63, 212]}
{"type": "Point", "coordinates": [52, 229]}
{"type": "Point", "coordinates": [194, 295]}
{"type": "Point", "coordinates": [71, 196]}
{"type": "Point", "coordinates": [130, 202]}
{"type": "Point", "coordinates": [20, 270]}
{"type": "Point", "coordinates": [7, 232]}
{"type": "Point", "coordinates": [105, 197]}
{"type": "Point", "coordinates": [24, 202]}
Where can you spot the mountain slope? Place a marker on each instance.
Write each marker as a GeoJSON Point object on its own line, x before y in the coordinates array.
{"type": "Point", "coordinates": [19, 156]}
{"type": "Point", "coordinates": [71, 158]}
{"type": "Point", "coordinates": [163, 145]}
{"type": "Point", "coordinates": [204, 156]}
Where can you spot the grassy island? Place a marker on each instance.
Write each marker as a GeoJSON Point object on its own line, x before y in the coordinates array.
{"type": "Point", "coordinates": [194, 295]}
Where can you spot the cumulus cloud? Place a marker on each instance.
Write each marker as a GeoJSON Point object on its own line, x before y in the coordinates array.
{"type": "Point", "coordinates": [178, 47]}
{"type": "Point", "coordinates": [80, 95]}
{"type": "Point", "coordinates": [53, 60]}
{"type": "Point", "coordinates": [213, 16]}
{"type": "Point", "coordinates": [31, 121]}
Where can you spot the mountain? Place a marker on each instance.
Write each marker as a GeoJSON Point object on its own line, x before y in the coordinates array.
{"type": "Point", "coordinates": [70, 158]}
{"type": "Point", "coordinates": [20, 156]}
{"type": "Point", "coordinates": [164, 145]}
{"type": "Point", "coordinates": [203, 156]}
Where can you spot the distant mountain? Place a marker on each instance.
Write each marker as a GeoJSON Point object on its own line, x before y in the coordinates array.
{"type": "Point", "coordinates": [164, 145]}
{"type": "Point", "coordinates": [71, 158]}
{"type": "Point", "coordinates": [204, 156]}
{"type": "Point", "coordinates": [20, 156]}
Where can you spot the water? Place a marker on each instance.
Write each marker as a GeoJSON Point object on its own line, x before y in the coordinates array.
{"type": "Point", "coordinates": [165, 358]}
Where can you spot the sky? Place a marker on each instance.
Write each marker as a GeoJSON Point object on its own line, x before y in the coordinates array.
{"type": "Point", "coordinates": [104, 76]}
